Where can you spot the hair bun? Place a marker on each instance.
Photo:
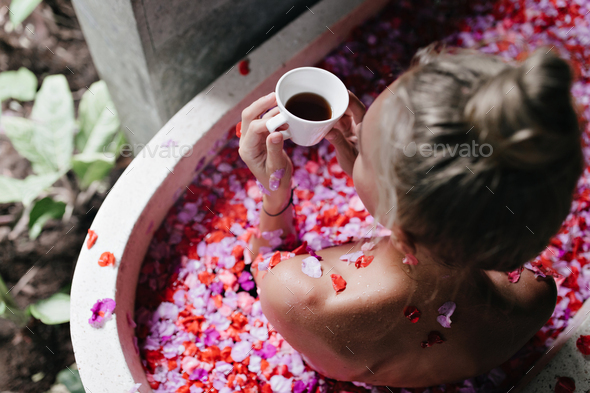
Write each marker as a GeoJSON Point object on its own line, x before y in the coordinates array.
{"type": "Point", "coordinates": [526, 113]}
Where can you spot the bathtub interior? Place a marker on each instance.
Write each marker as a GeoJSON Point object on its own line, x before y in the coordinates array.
{"type": "Point", "coordinates": [142, 233]}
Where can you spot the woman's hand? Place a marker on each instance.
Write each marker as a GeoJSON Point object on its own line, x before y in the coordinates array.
{"type": "Point", "coordinates": [263, 152]}
{"type": "Point", "coordinates": [344, 137]}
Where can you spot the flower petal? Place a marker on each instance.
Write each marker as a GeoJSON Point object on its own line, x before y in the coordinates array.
{"type": "Point", "coordinates": [434, 337]}
{"type": "Point", "coordinates": [583, 345]}
{"type": "Point", "coordinates": [311, 252]}
{"type": "Point", "coordinates": [106, 259]}
{"type": "Point", "coordinates": [412, 313]}
{"type": "Point", "coordinates": [444, 321]}
{"type": "Point", "coordinates": [262, 188]}
{"type": "Point", "coordinates": [367, 246]}
{"type": "Point", "coordinates": [312, 267]}
{"type": "Point", "coordinates": [409, 259]}
{"type": "Point", "coordinates": [338, 283]}
{"type": "Point", "coordinates": [363, 261]}
{"type": "Point", "coordinates": [352, 257]}
{"type": "Point", "coordinates": [448, 308]}
{"type": "Point", "coordinates": [101, 312]}
{"type": "Point", "coordinates": [92, 236]}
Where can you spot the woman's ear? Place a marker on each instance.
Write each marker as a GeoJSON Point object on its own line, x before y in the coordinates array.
{"type": "Point", "coordinates": [402, 241]}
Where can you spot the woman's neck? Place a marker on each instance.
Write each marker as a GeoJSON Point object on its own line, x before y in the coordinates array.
{"type": "Point", "coordinates": [429, 268]}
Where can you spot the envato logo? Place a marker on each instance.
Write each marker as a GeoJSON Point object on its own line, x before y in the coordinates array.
{"type": "Point", "coordinates": [440, 149]}
{"type": "Point", "coordinates": [168, 149]}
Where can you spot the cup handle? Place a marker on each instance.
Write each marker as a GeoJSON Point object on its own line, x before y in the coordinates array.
{"type": "Point", "coordinates": [277, 121]}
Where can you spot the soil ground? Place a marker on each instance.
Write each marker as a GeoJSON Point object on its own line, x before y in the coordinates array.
{"type": "Point", "coordinates": [48, 42]}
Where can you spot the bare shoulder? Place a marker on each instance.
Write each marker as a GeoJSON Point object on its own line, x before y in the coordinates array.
{"type": "Point", "coordinates": [302, 308]}
{"type": "Point", "coordinates": [528, 303]}
{"type": "Point", "coordinates": [286, 285]}
{"type": "Point", "coordinates": [537, 295]}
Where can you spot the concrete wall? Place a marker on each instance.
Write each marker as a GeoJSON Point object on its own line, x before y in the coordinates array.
{"type": "Point", "coordinates": [156, 55]}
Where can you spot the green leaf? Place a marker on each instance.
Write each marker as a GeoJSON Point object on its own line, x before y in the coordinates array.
{"type": "Point", "coordinates": [21, 9]}
{"type": "Point", "coordinates": [90, 167]}
{"type": "Point", "coordinates": [71, 380]}
{"type": "Point", "coordinates": [21, 133]}
{"type": "Point", "coordinates": [2, 307]}
{"type": "Point", "coordinates": [53, 114]}
{"type": "Point", "coordinates": [12, 189]}
{"type": "Point", "coordinates": [53, 310]}
{"type": "Point", "coordinates": [20, 85]}
{"type": "Point", "coordinates": [117, 144]}
{"type": "Point", "coordinates": [44, 210]}
{"type": "Point", "coordinates": [98, 119]}
{"type": "Point", "coordinates": [25, 191]}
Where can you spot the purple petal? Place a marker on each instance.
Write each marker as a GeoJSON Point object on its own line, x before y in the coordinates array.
{"type": "Point", "coordinates": [273, 183]}
{"type": "Point", "coordinates": [444, 321]}
{"type": "Point", "coordinates": [104, 307]}
{"type": "Point", "coordinates": [447, 309]}
{"type": "Point", "coordinates": [311, 252]}
{"type": "Point", "coordinates": [262, 188]}
{"type": "Point", "coordinates": [240, 351]}
{"type": "Point", "coordinates": [278, 174]}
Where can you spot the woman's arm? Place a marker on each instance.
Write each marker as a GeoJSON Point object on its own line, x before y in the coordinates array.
{"type": "Point", "coordinates": [274, 205]}
{"type": "Point", "coordinates": [263, 153]}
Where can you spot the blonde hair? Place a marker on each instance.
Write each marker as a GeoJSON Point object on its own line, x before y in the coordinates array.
{"type": "Point", "coordinates": [493, 209]}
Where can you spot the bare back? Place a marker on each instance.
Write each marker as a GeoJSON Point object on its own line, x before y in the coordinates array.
{"type": "Point", "coordinates": [361, 334]}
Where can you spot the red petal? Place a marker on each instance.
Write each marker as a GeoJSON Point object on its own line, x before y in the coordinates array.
{"type": "Point", "coordinates": [363, 261]}
{"type": "Point", "coordinates": [434, 337]}
{"type": "Point", "coordinates": [243, 66]}
{"type": "Point", "coordinates": [338, 282]}
{"type": "Point", "coordinates": [514, 276]}
{"type": "Point", "coordinates": [412, 313]}
{"type": "Point", "coordinates": [92, 236]}
{"type": "Point", "coordinates": [106, 259]}
{"type": "Point", "coordinates": [583, 344]}
{"type": "Point", "coordinates": [301, 249]}
{"type": "Point", "coordinates": [275, 259]}
{"type": "Point", "coordinates": [565, 385]}
{"type": "Point", "coordinates": [239, 130]}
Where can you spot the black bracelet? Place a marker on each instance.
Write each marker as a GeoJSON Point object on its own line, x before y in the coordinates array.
{"type": "Point", "coordinates": [282, 211]}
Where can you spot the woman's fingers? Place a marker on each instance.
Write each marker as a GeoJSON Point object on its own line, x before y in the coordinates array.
{"type": "Point", "coordinates": [256, 109]}
{"type": "Point", "coordinates": [275, 159]}
{"type": "Point", "coordinates": [344, 125]}
{"type": "Point", "coordinates": [271, 113]}
{"type": "Point", "coordinates": [356, 109]}
{"type": "Point", "coordinates": [345, 151]}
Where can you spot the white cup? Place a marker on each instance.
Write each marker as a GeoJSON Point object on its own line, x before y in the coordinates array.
{"type": "Point", "coordinates": [308, 80]}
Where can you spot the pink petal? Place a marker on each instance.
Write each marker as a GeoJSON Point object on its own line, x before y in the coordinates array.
{"type": "Point", "coordinates": [352, 257]}
{"type": "Point", "coordinates": [410, 260]}
{"type": "Point", "coordinates": [134, 388]}
{"type": "Point", "coordinates": [130, 321]}
{"type": "Point", "coordinates": [367, 246]}
{"type": "Point", "coordinates": [312, 267]}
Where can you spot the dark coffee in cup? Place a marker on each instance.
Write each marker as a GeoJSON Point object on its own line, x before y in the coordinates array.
{"type": "Point", "coordinates": [309, 106]}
